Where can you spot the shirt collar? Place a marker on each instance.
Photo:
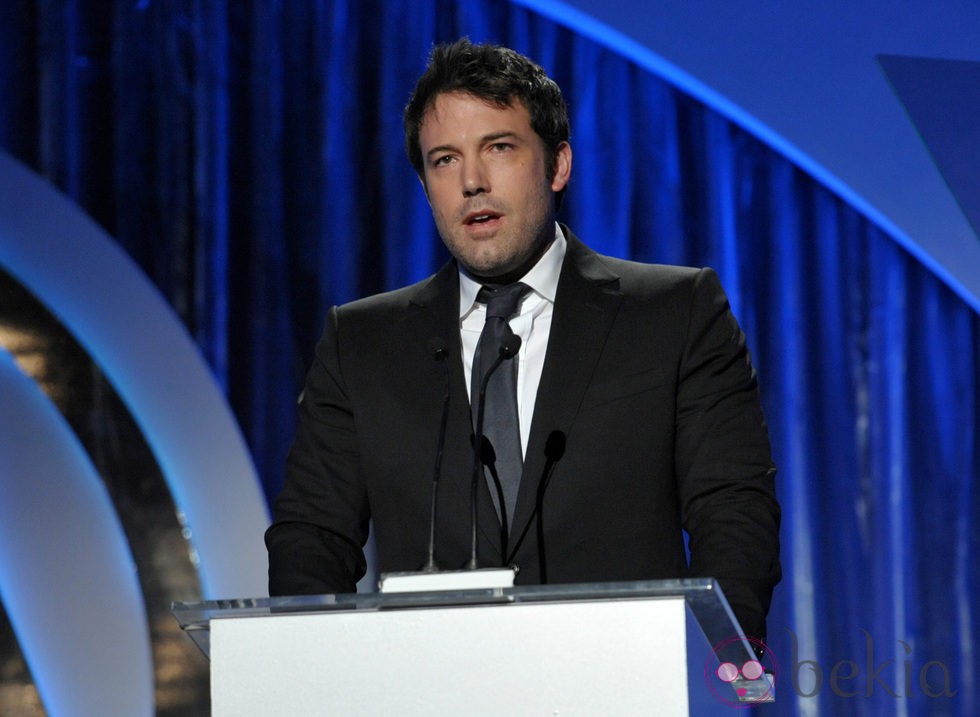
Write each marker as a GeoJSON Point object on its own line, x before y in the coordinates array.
{"type": "Point", "coordinates": [542, 277]}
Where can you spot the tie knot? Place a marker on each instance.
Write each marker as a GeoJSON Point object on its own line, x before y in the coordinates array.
{"type": "Point", "coordinates": [502, 301]}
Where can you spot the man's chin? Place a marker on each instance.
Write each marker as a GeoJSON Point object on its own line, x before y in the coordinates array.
{"type": "Point", "coordinates": [498, 269]}
{"type": "Point", "coordinates": [489, 273]}
{"type": "Point", "coordinates": [487, 266]}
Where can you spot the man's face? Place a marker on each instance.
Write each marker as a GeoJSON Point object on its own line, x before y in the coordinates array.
{"type": "Point", "coordinates": [486, 179]}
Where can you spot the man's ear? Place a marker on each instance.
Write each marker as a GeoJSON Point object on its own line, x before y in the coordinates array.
{"type": "Point", "coordinates": [425, 188]}
{"type": "Point", "coordinates": [563, 167]}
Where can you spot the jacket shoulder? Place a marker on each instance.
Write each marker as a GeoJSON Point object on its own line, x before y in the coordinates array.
{"type": "Point", "coordinates": [640, 279]}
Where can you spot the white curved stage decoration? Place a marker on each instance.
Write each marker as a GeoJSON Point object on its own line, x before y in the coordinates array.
{"type": "Point", "coordinates": [67, 577]}
{"type": "Point", "coordinates": [101, 297]}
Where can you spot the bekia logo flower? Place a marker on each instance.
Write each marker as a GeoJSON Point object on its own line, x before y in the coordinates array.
{"type": "Point", "coordinates": [736, 675]}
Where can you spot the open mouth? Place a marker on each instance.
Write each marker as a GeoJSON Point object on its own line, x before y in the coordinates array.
{"type": "Point", "coordinates": [478, 218]}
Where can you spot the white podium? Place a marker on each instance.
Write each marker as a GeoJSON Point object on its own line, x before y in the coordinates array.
{"type": "Point", "coordinates": [607, 648]}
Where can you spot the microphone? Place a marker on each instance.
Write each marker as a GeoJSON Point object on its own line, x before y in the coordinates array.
{"type": "Point", "coordinates": [489, 458]}
{"type": "Point", "coordinates": [508, 350]}
{"type": "Point", "coordinates": [438, 350]}
{"type": "Point", "coordinates": [554, 450]}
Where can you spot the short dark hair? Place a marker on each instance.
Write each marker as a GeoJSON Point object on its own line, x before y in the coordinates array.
{"type": "Point", "coordinates": [497, 75]}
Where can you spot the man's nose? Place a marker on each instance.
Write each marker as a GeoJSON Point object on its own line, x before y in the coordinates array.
{"type": "Point", "coordinates": [474, 179]}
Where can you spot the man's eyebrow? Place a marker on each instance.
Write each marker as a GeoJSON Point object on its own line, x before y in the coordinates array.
{"type": "Point", "coordinates": [491, 137]}
{"type": "Point", "coordinates": [494, 136]}
{"type": "Point", "coordinates": [440, 149]}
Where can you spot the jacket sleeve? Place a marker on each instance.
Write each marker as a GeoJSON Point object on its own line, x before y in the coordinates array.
{"type": "Point", "coordinates": [726, 476]}
{"type": "Point", "coordinates": [320, 519]}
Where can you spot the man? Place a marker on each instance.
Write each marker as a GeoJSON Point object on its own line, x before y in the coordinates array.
{"type": "Point", "coordinates": [638, 410]}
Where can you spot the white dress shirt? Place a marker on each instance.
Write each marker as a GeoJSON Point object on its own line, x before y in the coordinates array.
{"type": "Point", "coordinates": [532, 323]}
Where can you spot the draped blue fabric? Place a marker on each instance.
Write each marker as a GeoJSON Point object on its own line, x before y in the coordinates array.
{"type": "Point", "coordinates": [249, 157]}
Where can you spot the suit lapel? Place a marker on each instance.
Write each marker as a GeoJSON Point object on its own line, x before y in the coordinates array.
{"type": "Point", "coordinates": [586, 304]}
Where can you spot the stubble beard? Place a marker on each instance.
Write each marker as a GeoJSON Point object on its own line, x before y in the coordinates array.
{"type": "Point", "coordinates": [504, 258]}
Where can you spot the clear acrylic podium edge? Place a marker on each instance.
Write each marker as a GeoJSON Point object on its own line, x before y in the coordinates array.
{"type": "Point", "coordinates": [703, 597]}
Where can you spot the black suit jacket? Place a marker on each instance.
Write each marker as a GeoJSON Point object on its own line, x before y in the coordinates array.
{"type": "Point", "coordinates": [647, 421]}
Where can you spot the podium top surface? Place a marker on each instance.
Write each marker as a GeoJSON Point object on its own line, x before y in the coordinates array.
{"type": "Point", "coordinates": [703, 597]}
{"type": "Point", "coordinates": [704, 600]}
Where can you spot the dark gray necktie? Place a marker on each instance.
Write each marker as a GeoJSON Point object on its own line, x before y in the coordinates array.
{"type": "Point", "coordinates": [501, 425]}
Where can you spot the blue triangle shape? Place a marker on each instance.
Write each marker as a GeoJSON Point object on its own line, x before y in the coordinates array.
{"type": "Point", "coordinates": [942, 98]}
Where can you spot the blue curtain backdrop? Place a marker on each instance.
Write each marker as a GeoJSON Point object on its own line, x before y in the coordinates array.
{"type": "Point", "coordinates": [249, 157]}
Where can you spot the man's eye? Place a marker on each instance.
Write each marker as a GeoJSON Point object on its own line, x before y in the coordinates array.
{"type": "Point", "coordinates": [442, 161]}
{"type": "Point", "coordinates": [500, 146]}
